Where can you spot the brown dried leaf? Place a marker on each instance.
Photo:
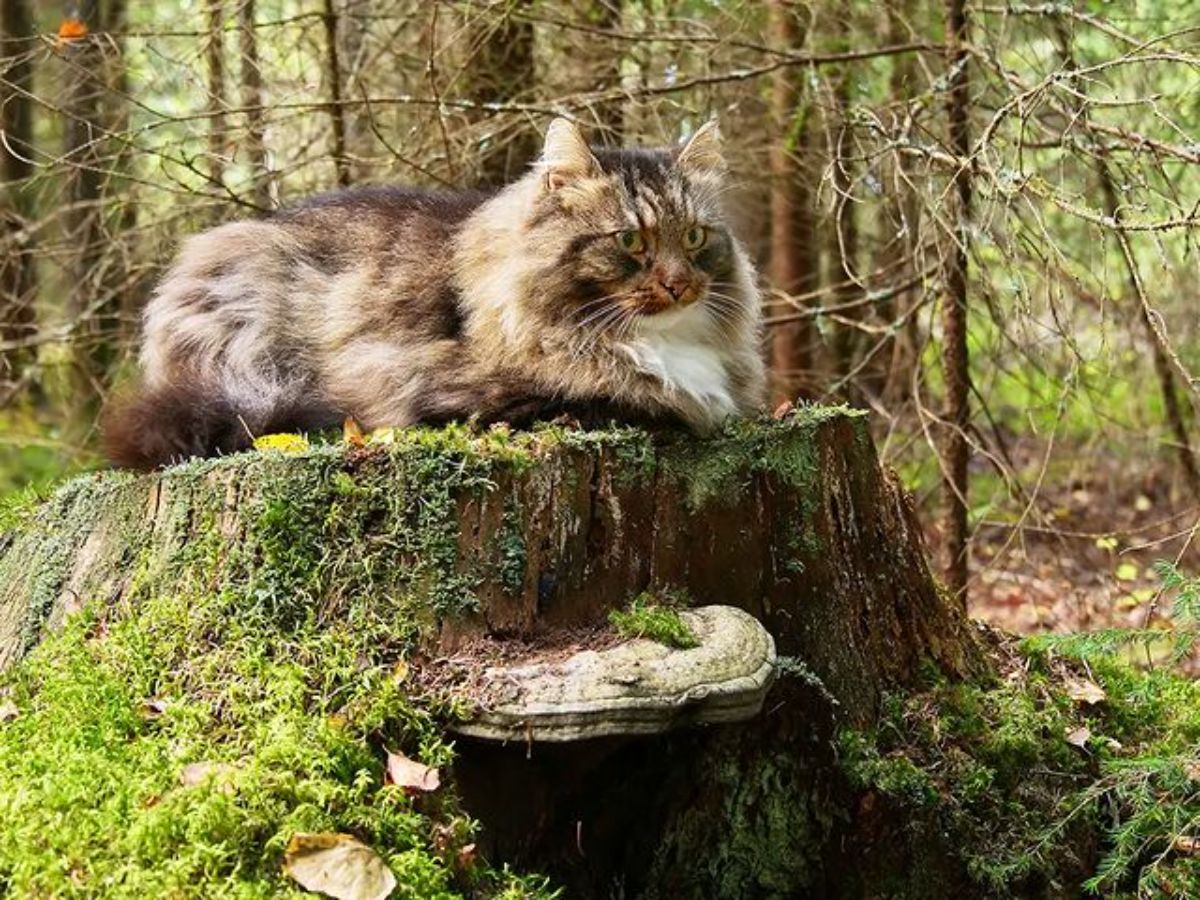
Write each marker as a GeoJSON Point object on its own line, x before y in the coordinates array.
{"type": "Point", "coordinates": [338, 865]}
{"type": "Point", "coordinates": [8, 711]}
{"type": "Point", "coordinates": [467, 856]}
{"type": "Point", "coordinates": [1083, 690]}
{"type": "Point", "coordinates": [782, 410]}
{"type": "Point", "coordinates": [1186, 844]}
{"type": "Point", "coordinates": [152, 708]}
{"type": "Point", "coordinates": [1079, 737]}
{"type": "Point", "coordinates": [410, 774]}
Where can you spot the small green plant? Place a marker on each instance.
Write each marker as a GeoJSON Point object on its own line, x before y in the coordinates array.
{"type": "Point", "coordinates": [655, 616]}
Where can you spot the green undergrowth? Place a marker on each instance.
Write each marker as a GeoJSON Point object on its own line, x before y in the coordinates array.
{"type": "Point", "coordinates": [655, 616]}
{"type": "Point", "coordinates": [1059, 774]}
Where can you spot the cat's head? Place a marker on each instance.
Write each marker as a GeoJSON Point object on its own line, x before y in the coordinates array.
{"type": "Point", "coordinates": [632, 236]}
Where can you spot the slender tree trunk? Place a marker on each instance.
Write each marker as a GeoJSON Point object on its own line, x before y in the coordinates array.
{"type": "Point", "coordinates": [842, 238]}
{"type": "Point", "coordinates": [604, 68]}
{"type": "Point", "coordinates": [252, 102]}
{"type": "Point", "coordinates": [337, 109]}
{"type": "Point", "coordinates": [1172, 407]}
{"type": "Point", "coordinates": [794, 262]}
{"type": "Point", "coordinates": [17, 276]}
{"type": "Point", "coordinates": [889, 377]}
{"type": "Point", "coordinates": [214, 54]}
{"type": "Point", "coordinates": [955, 362]}
{"type": "Point", "coordinates": [500, 69]}
{"type": "Point", "coordinates": [92, 316]}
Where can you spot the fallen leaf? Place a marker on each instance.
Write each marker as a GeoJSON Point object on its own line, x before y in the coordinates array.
{"type": "Point", "coordinates": [382, 436]}
{"type": "Point", "coordinates": [400, 672]}
{"type": "Point", "coordinates": [338, 865]}
{"type": "Point", "coordinates": [352, 434]}
{"type": "Point", "coordinates": [282, 443]}
{"type": "Point", "coordinates": [410, 774]}
{"type": "Point", "coordinates": [1127, 571]}
{"type": "Point", "coordinates": [1185, 844]}
{"type": "Point", "coordinates": [1192, 769]}
{"type": "Point", "coordinates": [467, 856]}
{"type": "Point", "coordinates": [199, 772]}
{"type": "Point", "coordinates": [8, 711]}
{"type": "Point", "coordinates": [1107, 542]}
{"type": "Point", "coordinates": [1079, 737]}
{"type": "Point", "coordinates": [782, 409]}
{"type": "Point", "coordinates": [1143, 503]}
{"type": "Point", "coordinates": [1083, 690]}
{"type": "Point", "coordinates": [152, 708]}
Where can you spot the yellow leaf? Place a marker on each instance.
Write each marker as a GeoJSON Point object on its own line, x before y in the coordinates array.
{"type": "Point", "coordinates": [382, 436]}
{"type": "Point", "coordinates": [339, 866]}
{"type": "Point", "coordinates": [282, 443]}
{"type": "Point", "coordinates": [1127, 571]}
{"type": "Point", "coordinates": [1108, 542]}
{"type": "Point", "coordinates": [352, 434]}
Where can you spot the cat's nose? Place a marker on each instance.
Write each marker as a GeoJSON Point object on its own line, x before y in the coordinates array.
{"type": "Point", "coordinates": [676, 286]}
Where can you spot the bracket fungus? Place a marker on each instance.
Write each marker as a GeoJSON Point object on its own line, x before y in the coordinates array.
{"type": "Point", "coordinates": [636, 687]}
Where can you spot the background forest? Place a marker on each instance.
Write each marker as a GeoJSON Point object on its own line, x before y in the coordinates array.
{"type": "Point", "coordinates": [977, 220]}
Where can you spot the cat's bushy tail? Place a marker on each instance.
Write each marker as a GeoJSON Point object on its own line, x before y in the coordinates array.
{"type": "Point", "coordinates": [158, 426]}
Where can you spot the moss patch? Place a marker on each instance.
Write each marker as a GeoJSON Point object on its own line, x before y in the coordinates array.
{"type": "Point", "coordinates": [655, 616]}
{"type": "Point", "coordinates": [1038, 790]}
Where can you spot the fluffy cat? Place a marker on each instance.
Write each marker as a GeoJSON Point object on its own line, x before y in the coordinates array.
{"type": "Point", "coordinates": [603, 284]}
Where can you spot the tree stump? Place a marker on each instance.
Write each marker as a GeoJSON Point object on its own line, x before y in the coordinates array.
{"type": "Point", "coordinates": [516, 537]}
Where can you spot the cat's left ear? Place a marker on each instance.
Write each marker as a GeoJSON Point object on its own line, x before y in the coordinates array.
{"type": "Point", "coordinates": [701, 153]}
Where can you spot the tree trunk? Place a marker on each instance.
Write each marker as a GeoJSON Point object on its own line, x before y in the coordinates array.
{"type": "Point", "coordinates": [499, 70]}
{"type": "Point", "coordinates": [794, 261]}
{"type": "Point", "coordinates": [841, 255]}
{"type": "Point", "coordinates": [94, 308]}
{"type": "Point", "coordinates": [214, 55]}
{"type": "Point", "coordinates": [955, 363]}
{"type": "Point", "coordinates": [262, 190]}
{"type": "Point", "coordinates": [18, 282]}
{"type": "Point", "coordinates": [337, 109]}
{"type": "Point", "coordinates": [538, 537]}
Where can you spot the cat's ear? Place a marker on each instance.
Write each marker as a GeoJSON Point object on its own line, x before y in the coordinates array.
{"type": "Point", "coordinates": [701, 153]}
{"type": "Point", "coordinates": [565, 155]}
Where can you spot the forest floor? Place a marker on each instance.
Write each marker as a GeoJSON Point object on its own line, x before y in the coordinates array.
{"type": "Point", "coordinates": [1081, 557]}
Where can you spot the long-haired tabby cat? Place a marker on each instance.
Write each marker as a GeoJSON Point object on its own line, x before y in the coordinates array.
{"type": "Point", "coordinates": [603, 282]}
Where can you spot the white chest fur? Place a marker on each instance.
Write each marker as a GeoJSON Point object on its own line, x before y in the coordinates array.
{"type": "Point", "coordinates": [672, 347]}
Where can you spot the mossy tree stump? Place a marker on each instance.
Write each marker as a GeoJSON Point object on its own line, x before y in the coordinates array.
{"type": "Point", "coordinates": [453, 536]}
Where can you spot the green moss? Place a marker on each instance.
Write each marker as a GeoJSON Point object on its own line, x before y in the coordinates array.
{"type": "Point", "coordinates": [655, 616]}
{"type": "Point", "coordinates": [990, 765]}
{"type": "Point", "coordinates": [513, 557]}
{"type": "Point", "coordinates": [113, 708]}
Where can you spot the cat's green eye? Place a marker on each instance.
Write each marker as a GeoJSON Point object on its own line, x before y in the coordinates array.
{"type": "Point", "coordinates": [695, 237]}
{"type": "Point", "coordinates": [631, 241]}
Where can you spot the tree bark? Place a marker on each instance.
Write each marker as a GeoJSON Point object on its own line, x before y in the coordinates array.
{"type": "Point", "coordinates": [18, 283]}
{"type": "Point", "coordinates": [262, 192]}
{"type": "Point", "coordinates": [794, 255]}
{"type": "Point", "coordinates": [841, 255]}
{"type": "Point", "coordinates": [955, 450]}
{"type": "Point", "coordinates": [337, 110]}
{"type": "Point", "coordinates": [214, 55]}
